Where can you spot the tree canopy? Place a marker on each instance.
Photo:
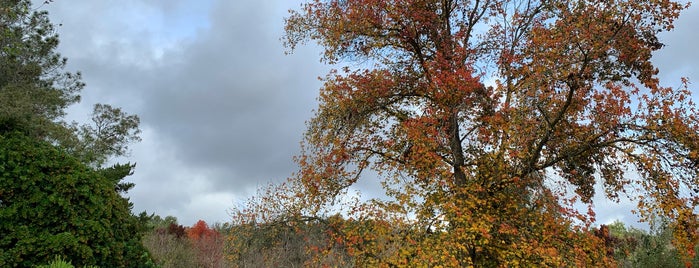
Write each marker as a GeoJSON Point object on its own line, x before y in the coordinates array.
{"type": "Point", "coordinates": [35, 90]}
{"type": "Point", "coordinates": [57, 196]}
{"type": "Point", "coordinates": [53, 204]}
{"type": "Point", "coordinates": [487, 121]}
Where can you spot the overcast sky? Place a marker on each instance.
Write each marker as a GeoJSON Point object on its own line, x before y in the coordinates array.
{"type": "Point", "coordinates": [222, 107]}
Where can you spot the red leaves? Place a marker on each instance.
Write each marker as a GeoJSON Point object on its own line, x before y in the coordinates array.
{"type": "Point", "coordinates": [479, 165]}
{"type": "Point", "coordinates": [176, 229]}
{"type": "Point", "coordinates": [201, 231]}
{"type": "Point", "coordinates": [208, 244]}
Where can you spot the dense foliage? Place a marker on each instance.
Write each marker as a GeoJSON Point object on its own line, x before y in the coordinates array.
{"type": "Point", "coordinates": [57, 197]}
{"type": "Point", "coordinates": [486, 121]}
{"type": "Point", "coordinates": [52, 204]}
{"type": "Point", "coordinates": [286, 244]}
{"type": "Point", "coordinates": [34, 90]}
{"type": "Point", "coordinates": [314, 241]}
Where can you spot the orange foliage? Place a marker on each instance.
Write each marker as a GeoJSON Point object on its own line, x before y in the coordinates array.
{"type": "Point", "coordinates": [200, 231]}
{"type": "Point", "coordinates": [207, 243]}
{"type": "Point", "coordinates": [486, 121]}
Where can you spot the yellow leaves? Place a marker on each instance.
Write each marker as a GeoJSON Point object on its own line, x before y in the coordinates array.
{"type": "Point", "coordinates": [465, 166]}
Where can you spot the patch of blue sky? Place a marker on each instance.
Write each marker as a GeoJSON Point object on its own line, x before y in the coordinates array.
{"type": "Point", "coordinates": [169, 25]}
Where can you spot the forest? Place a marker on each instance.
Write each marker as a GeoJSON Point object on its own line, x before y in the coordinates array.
{"type": "Point", "coordinates": [489, 124]}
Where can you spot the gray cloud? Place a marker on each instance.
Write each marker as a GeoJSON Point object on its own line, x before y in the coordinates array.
{"type": "Point", "coordinates": [237, 104]}
{"type": "Point", "coordinates": [222, 107]}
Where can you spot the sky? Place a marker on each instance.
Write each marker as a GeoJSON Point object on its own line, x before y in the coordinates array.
{"type": "Point", "coordinates": [222, 108]}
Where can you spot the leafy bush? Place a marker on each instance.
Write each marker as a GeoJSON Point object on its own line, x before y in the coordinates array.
{"type": "Point", "coordinates": [52, 204]}
{"type": "Point", "coordinates": [58, 262]}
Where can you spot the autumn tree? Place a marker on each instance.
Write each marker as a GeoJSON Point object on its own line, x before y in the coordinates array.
{"type": "Point", "coordinates": [487, 120]}
{"type": "Point", "coordinates": [207, 243]}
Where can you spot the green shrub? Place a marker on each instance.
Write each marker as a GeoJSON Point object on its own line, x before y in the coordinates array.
{"type": "Point", "coordinates": [52, 204]}
{"type": "Point", "coordinates": [57, 262]}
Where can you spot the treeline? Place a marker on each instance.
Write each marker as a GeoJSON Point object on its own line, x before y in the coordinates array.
{"type": "Point", "coordinates": [325, 242]}
{"type": "Point", "coordinates": [173, 245]}
{"type": "Point", "coordinates": [322, 242]}
{"type": "Point", "coordinates": [632, 247]}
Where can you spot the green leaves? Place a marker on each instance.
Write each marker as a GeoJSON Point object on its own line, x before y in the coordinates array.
{"type": "Point", "coordinates": [33, 90]}
{"type": "Point", "coordinates": [109, 135]}
{"type": "Point", "coordinates": [51, 203]}
{"type": "Point", "coordinates": [55, 199]}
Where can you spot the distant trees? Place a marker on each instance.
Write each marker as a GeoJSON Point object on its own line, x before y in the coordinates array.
{"type": "Point", "coordinates": [167, 243]}
{"type": "Point", "coordinates": [57, 196]}
{"type": "Point", "coordinates": [633, 247]}
{"type": "Point", "coordinates": [287, 243]}
{"type": "Point", "coordinates": [208, 244]}
{"type": "Point", "coordinates": [173, 245]}
{"type": "Point", "coordinates": [299, 242]}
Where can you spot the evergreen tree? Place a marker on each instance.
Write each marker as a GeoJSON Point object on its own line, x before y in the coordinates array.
{"type": "Point", "coordinates": [56, 195]}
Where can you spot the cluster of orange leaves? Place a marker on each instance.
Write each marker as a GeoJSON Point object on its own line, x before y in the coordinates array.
{"type": "Point", "coordinates": [486, 122]}
{"type": "Point", "coordinates": [207, 242]}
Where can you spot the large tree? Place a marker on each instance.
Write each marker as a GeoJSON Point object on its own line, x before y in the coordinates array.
{"type": "Point", "coordinates": [487, 120]}
{"type": "Point", "coordinates": [35, 90]}
{"type": "Point", "coordinates": [56, 194]}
